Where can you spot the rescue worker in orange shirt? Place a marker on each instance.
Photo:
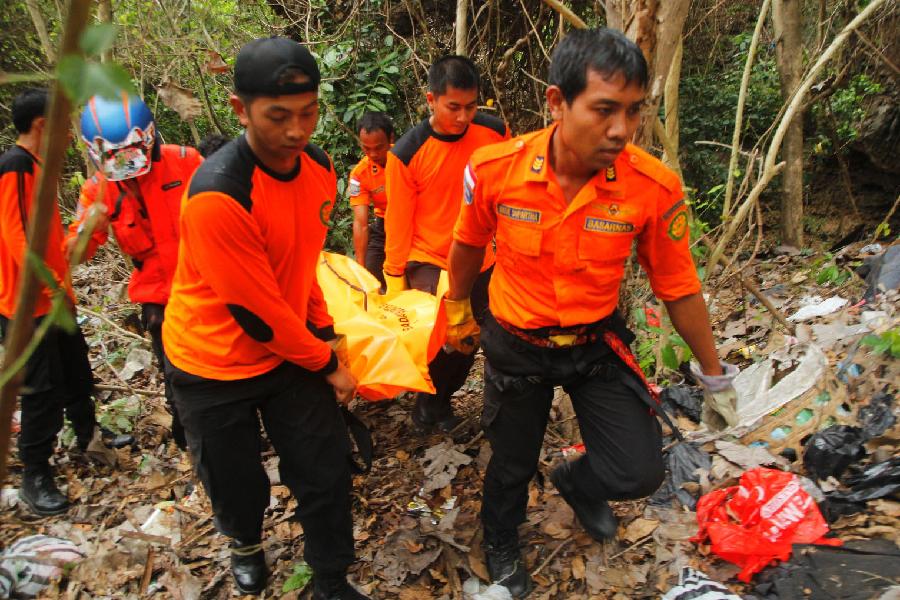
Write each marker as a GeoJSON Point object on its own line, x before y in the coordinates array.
{"type": "Point", "coordinates": [565, 204]}
{"type": "Point", "coordinates": [424, 184]}
{"type": "Point", "coordinates": [58, 377]}
{"type": "Point", "coordinates": [236, 339]}
{"type": "Point", "coordinates": [142, 182]}
{"type": "Point", "coordinates": [366, 186]}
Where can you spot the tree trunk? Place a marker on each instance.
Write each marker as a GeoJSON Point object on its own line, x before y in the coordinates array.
{"type": "Point", "coordinates": [105, 15]}
{"type": "Point", "coordinates": [462, 28]}
{"type": "Point", "coordinates": [789, 54]}
{"type": "Point", "coordinates": [656, 27]}
{"type": "Point", "coordinates": [40, 26]}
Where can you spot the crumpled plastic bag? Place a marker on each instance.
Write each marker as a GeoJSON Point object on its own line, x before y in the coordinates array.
{"type": "Point", "coordinates": [880, 480]}
{"type": "Point", "coordinates": [695, 585]}
{"type": "Point", "coordinates": [877, 416]}
{"type": "Point", "coordinates": [829, 452]}
{"type": "Point", "coordinates": [757, 521]}
{"type": "Point", "coordinates": [30, 563]}
{"type": "Point", "coordinates": [683, 460]}
{"type": "Point", "coordinates": [388, 343]}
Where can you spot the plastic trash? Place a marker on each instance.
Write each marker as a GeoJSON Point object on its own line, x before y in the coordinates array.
{"type": "Point", "coordinates": [29, 564]}
{"type": "Point", "coordinates": [881, 272]}
{"type": "Point", "coordinates": [880, 480]}
{"type": "Point", "coordinates": [860, 570]}
{"type": "Point", "coordinates": [816, 307]}
{"type": "Point", "coordinates": [683, 461]}
{"type": "Point", "coordinates": [695, 585]}
{"type": "Point", "coordinates": [756, 522]}
{"type": "Point", "coordinates": [829, 452]}
{"type": "Point", "coordinates": [877, 416]}
{"type": "Point", "coordinates": [475, 590]}
{"type": "Point", "coordinates": [681, 399]}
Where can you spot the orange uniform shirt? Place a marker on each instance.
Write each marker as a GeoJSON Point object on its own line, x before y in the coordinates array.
{"type": "Point", "coordinates": [424, 189]}
{"type": "Point", "coordinates": [561, 265]}
{"type": "Point", "coordinates": [19, 171]}
{"type": "Point", "coordinates": [245, 284]}
{"type": "Point", "coordinates": [366, 186]}
{"type": "Point", "coordinates": [146, 225]}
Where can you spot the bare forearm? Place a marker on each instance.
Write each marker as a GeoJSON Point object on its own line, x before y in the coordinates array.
{"type": "Point", "coordinates": [465, 264]}
{"type": "Point", "coordinates": [360, 233]}
{"type": "Point", "coordinates": [691, 320]}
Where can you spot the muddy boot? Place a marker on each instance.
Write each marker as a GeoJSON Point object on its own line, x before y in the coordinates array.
{"type": "Point", "coordinates": [504, 562]}
{"type": "Point", "coordinates": [595, 516]}
{"type": "Point", "coordinates": [248, 566]}
{"type": "Point", "coordinates": [40, 493]}
{"type": "Point", "coordinates": [431, 412]}
{"type": "Point", "coordinates": [335, 587]}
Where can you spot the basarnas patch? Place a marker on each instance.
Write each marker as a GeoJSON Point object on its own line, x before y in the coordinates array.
{"type": "Point", "coordinates": [354, 188]}
{"type": "Point", "coordinates": [469, 181]}
{"type": "Point", "coordinates": [678, 227]}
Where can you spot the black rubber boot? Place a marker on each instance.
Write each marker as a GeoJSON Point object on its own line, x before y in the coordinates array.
{"type": "Point", "coordinates": [431, 412]}
{"type": "Point", "coordinates": [504, 562]}
{"type": "Point", "coordinates": [40, 493]}
{"type": "Point", "coordinates": [595, 515]}
{"type": "Point", "coordinates": [248, 566]}
{"type": "Point", "coordinates": [335, 588]}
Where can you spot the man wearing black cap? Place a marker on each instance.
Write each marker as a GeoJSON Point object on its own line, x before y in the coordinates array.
{"type": "Point", "coordinates": [235, 333]}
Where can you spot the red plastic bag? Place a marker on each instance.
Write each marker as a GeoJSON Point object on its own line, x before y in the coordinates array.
{"type": "Point", "coordinates": [756, 522]}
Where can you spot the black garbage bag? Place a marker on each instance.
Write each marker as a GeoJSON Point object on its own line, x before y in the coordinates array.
{"type": "Point", "coordinates": [858, 570]}
{"type": "Point", "coordinates": [829, 452]}
{"type": "Point", "coordinates": [883, 272]}
{"type": "Point", "coordinates": [881, 480]}
{"type": "Point", "coordinates": [683, 400]}
{"type": "Point", "coordinates": [877, 416]}
{"type": "Point", "coordinates": [682, 461]}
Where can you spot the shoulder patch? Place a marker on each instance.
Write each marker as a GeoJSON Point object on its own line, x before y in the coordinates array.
{"type": "Point", "coordinates": [410, 142]}
{"type": "Point", "coordinates": [652, 167]}
{"type": "Point", "coordinates": [228, 171]}
{"type": "Point", "coordinates": [491, 122]}
{"type": "Point", "coordinates": [16, 160]}
{"type": "Point", "coordinates": [318, 155]}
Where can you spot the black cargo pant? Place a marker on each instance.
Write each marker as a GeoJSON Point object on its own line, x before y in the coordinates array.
{"type": "Point", "coordinates": [375, 250]}
{"type": "Point", "coordinates": [622, 437]}
{"type": "Point", "coordinates": [303, 421]}
{"type": "Point", "coordinates": [449, 370]}
{"type": "Point", "coordinates": [152, 316]}
{"type": "Point", "coordinates": [58, 380]}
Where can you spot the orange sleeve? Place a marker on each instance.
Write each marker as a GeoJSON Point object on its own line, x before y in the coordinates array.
{"type": "Point", "coordinates": [359, 194]}
{"type": "Point", "coordinates": [229, 253]}
{"type": "Point", "coordinates": [477, 219]}
{"type": "Point", "coordinates": [317, 308]}
{"type": "Point", "coordinates": [15, 200]}
{"type": "Point", "coordinates": [663, 248]}
{"type": "Point", "coordinates": [399, 216]}
{"type": "Point", "coordinates": [89, 192]}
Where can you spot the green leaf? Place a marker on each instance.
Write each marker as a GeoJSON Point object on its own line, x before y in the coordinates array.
{"type": "Point", "coordinates": [83, 79]}
{"type": "Point", "coordinates": [97, 38]}
{"type": "Point", "coordinates": [670, 360]}
{"type": "Point", "coordinates": [62, 313]}
{"type": "Point", "coordinates": [298, 579]}
{"type": "Point", "coordinates": [382, 90]}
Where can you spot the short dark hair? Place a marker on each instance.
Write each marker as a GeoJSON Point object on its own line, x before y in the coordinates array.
{"type": "Point", "coordinates": [28, 106]}
{"type": "Point", "coordinates": [211, 143]}
{"type": "Point", "coordinates": [603, 50]}
{"type": "Point", "coordinates": [452, 71]}
{"type": "Point", "coordinates": [373, 121]}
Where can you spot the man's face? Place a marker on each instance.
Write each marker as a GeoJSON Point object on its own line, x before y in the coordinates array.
{"type": "Point", "coordinates": [279, 127]}
{"type": "Point", "coordinates": [453, 110]}
{"type": "Point", "coordinates": [598, 123]}
{"type": "Point", "coordinates": [375, 145]}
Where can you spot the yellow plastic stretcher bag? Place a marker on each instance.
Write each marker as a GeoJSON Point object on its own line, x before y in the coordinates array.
{"type": "Point", "coordinates": [389, 343]}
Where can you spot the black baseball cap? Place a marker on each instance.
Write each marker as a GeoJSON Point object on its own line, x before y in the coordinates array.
{"type": "Point", "coordinates": [261, 64]}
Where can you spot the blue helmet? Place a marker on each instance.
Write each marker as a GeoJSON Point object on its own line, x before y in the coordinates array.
{"type": "Point", "coordinates": [119, 134]}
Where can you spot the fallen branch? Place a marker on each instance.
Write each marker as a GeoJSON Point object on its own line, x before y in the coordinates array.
{"type": "Point", "coordinates": [121, 330]}
{"type": "Point", "coordinates": [553, 554]}
{"type": "Point", "coordinates": [103, 387]}
{"type": "Point", "coordinates": [764, 300]}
